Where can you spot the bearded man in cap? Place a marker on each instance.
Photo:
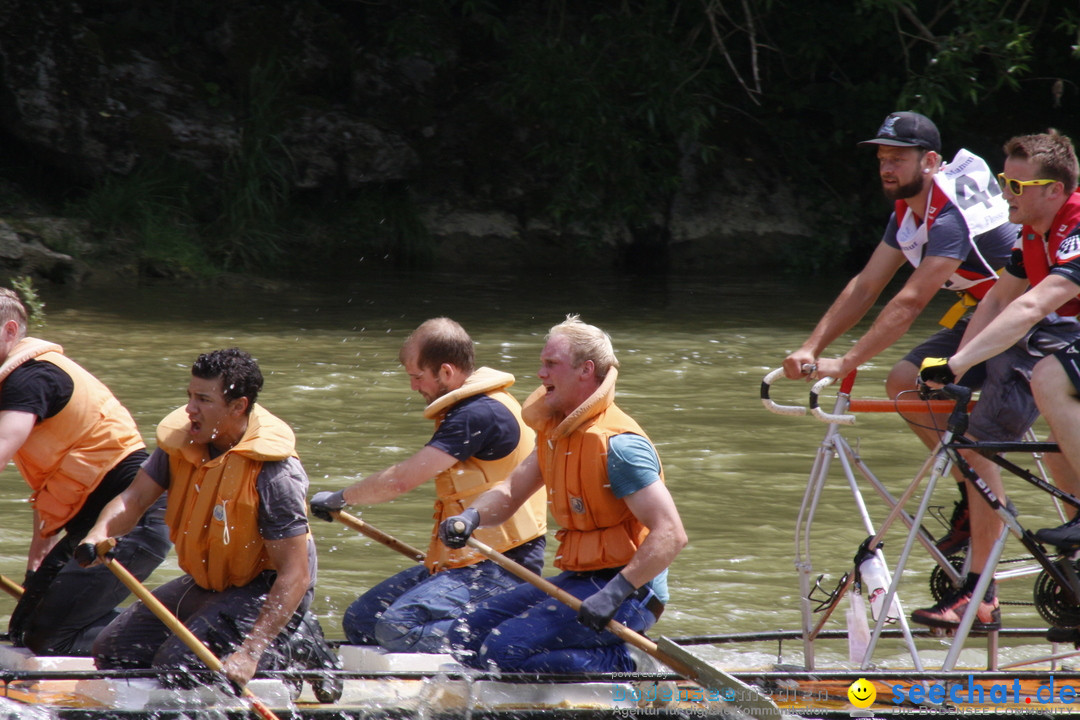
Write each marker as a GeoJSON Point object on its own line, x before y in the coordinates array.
{"type": "Point", "coordinates": [950, 223]}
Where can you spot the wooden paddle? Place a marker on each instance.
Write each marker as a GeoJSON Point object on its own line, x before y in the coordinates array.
{"type": "Point", "coordinates": [11, 587]}
{"type": "Point", "coordinates": [732, 690]}
{"type": "Point", "coordinates": [375, 534]}
{"type": "Point", "coordinates": [173, 623]}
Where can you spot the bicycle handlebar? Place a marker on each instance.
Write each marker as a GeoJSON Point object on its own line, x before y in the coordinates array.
{"type": "Point", "coordinates": [775, 407]}
{"type": "Point", "coordinates": [958, 402]}
{"type": "Point", "coordinates": [816, 411]}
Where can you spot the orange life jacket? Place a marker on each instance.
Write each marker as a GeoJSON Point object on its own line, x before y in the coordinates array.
{"type": "Point", "coordinates": [598, 530]}
{"type": "Point", "coordinates": [67, 455]}
{"type": "Point", "coordinates": [213, 506]}
{"type": "Point", "coordinates": [1040, 255]}
{"type": "Point", "coordinates": [458, 485]}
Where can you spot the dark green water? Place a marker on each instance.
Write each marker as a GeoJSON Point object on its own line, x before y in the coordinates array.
{"type": "Point", "coordinates": [693, 353]}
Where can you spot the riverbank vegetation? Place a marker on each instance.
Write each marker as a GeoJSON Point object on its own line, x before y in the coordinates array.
{"type": "Point", "coordinates": [587, 113]}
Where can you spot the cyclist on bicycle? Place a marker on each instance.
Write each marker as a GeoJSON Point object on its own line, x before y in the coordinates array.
{"type": "Point", "coordinates": [1025, 328]}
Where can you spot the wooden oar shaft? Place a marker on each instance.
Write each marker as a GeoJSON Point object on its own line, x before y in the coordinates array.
{"type": "Point", "coordinates": [713, 677]}
{"type": "Point", "coordinates": [626, 634]}
{"type": "Point", "coordinates": [11, 587]}
{"type": "Point", "coordinates": [173, 623]}
{"type": "Point", "coordinates": [378, 535]}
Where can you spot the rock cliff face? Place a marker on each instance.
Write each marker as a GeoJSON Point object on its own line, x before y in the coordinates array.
{"type": "Point", "coordinates": [93, 88]}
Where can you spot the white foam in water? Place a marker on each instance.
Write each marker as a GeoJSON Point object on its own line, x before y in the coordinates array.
{"type": "Point", "coordinates": [366, 658]}
{"type": "Point", "coordinates": [12, 710]}
{"type": "Point", "coordinates": [147, 693]}
{"type": "Point", "coordinates": [493, 695]}
{"type": "Point", "coordinates": [13, 658]}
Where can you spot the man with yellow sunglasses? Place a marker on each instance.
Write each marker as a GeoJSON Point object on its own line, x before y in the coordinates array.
{"type": "Point", "coordinates": [1025, 327]}
{"type": "Point", "coordinates": [1016, 187]}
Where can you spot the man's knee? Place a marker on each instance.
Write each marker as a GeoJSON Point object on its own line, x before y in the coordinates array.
{"type": "Point", "coordinates": [1050, 382]}
{"type": "Point", "coordinates": [398, 636]}
{"type": "Point", "coordinates": [902, 378]}
{"type": "Point", "coordinates": [111, 652]}
{"type": "Point", "coordinates": [411, 627]}
{"type": "Point", "coordinates": [43, 640]}
{"type": "Point", "coordinates": [359, 620]}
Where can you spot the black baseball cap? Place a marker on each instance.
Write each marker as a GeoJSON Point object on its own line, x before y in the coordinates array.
{"type": "Point", "coordinates": [907, 129]}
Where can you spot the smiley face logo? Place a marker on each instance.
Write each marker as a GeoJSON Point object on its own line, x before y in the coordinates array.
{"type": "Point", "coordinates": [862, 693]}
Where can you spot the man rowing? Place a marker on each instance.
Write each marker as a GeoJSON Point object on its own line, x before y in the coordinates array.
{"type": "Point", "coordinates": [620, 529]}
{"type": "Point", "coordinates": [479, 438]}
{"type": "Point", "coordinates": [77, 447]}
{"type": "Point", "coordinates": [237, 516]}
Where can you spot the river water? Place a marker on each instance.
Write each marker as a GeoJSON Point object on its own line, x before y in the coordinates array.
{"type": "Point", "coordinates": [693, 353]}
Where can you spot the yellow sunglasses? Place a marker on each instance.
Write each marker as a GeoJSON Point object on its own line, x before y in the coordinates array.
{"type": "Point", "coordinates": [1016, 187]}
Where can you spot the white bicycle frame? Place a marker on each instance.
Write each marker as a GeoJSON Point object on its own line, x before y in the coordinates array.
{"type": "Point", "coordinates": [834, 446]}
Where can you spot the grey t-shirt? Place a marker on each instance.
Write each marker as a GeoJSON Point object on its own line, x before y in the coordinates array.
{"type": "Point", "coordinates": [282, 486]}
{"type": "Point", "coordinates": [948, 238]}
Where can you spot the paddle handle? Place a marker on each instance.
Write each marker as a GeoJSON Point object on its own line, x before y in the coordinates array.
{"type": "Point", "coordinates": [173, 623]}
{"type": "Point", "coordinates": [378, 535]}
{"type": "Point", "coordinates": [11, 587]}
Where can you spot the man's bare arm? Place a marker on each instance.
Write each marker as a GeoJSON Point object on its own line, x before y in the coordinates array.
{"type": "Point", "coordinates": [895, 318]}
{"type": "Point", "coordinates": [1012, 323]}
{"type": "Point", "coordinates": [290, 558]}
{"type": "Point", "coordinates": [849, 307]}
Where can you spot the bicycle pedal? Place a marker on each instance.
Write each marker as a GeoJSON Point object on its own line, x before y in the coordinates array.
{"type": "Point", "coordinates": [940, 632]}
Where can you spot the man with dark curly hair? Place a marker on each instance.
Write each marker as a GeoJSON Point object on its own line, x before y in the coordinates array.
{"type": "Point", "coordinates": [237, 516]}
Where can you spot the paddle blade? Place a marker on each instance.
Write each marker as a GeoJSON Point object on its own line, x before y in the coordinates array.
{"type": "Point", "coordinates": [735, 692]}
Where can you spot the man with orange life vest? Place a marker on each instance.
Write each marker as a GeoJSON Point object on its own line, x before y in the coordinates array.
{"type": "Point", "coordinates": [237, 515]}
{"type": "Point", "coordinates": [77, 447]}
{"type": "Point", "coordinates": [951, 223]}
{"type": "Point", "coordinates": [620, 529]}
{"type": "Point", "coordinates": [479, 438]}
{"type": "Point", "coordinates": [1025, 329]}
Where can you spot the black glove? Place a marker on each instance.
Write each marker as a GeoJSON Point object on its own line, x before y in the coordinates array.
{"type": "Point", "coordinates": [936, 370]}
{"type": "Point", "coordinates": [86, 554]}
{"type": "Point", "coordinates": [455, 531]}
{"type": "Point", "coordinates": [35, 585]}
{"type": "Point", "coordinates": [324, 502]}
{"type": "Point", "coordinates": [21, 614]}
{"type": "Point", "coordinates": [597, 610]}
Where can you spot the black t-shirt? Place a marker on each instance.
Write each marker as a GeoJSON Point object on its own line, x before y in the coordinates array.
{"type": "Point", "coordinates": [484, 428]}
{"type": "Point", "coordinates": [479, 427]}
{"type": "Point", "coordinates": [43, 389]}
{"type": "Point", "coordinates": [36, 387]}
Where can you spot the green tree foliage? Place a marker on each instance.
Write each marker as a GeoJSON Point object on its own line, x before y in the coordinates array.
{"type": "Point", "coordinates": [591, 111]}
{"type": "Point", "coordinates": [256, 178]}
{"type": "Point", "coordinates": [612, 99]}
{"type": "Point", "coordinates": [35, 306]}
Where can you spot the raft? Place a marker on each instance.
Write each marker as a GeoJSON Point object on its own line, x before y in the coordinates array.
{"type": "Point", "coordinates": [399, 686]}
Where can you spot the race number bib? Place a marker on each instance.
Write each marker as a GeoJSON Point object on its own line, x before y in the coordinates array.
{"type": "Point", "coordinates": [971, 186]}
